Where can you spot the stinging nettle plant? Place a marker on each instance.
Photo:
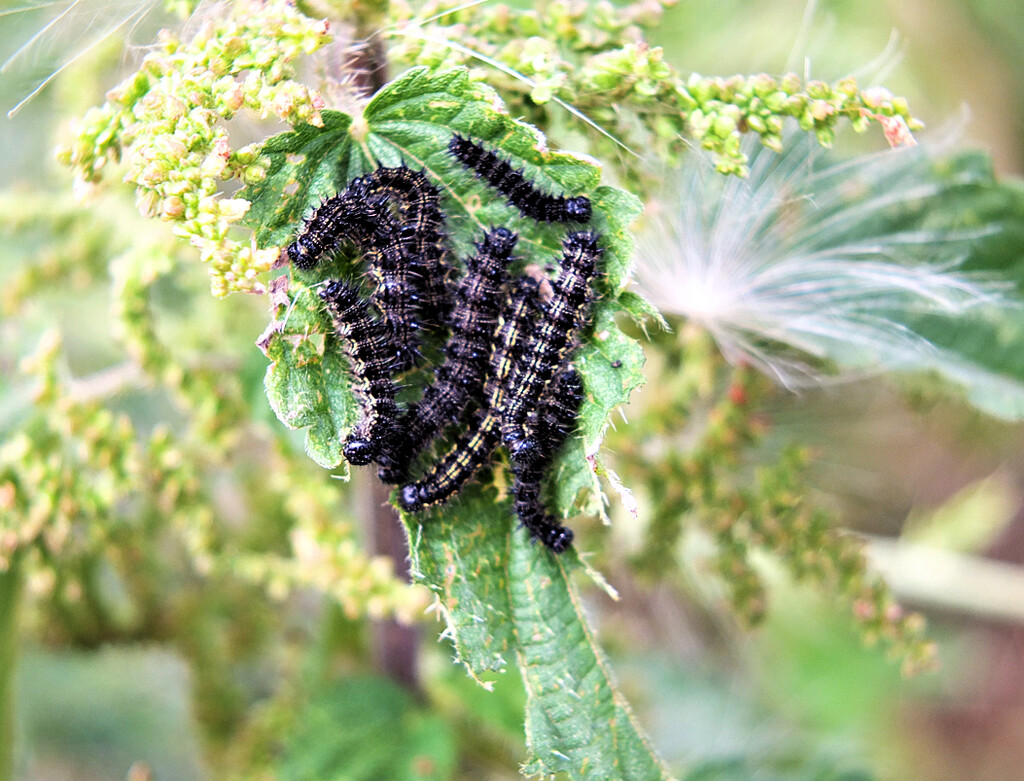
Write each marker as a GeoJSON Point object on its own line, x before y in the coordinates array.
{"type": "Point", "coordinates": [500, 76]}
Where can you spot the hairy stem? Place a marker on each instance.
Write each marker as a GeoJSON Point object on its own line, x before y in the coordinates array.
{"type": "Point", "coordinates": [369, 62]}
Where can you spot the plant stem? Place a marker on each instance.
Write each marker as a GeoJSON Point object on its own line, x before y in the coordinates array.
{"type": "Point", "coordinates": [369, 61]}
{"type": "Point", "coordinates": [395, 647]}
{"type": "Point", "coordinates": [10, 587]}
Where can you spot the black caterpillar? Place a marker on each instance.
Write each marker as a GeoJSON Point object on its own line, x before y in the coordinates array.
{"type": "Point", "coordinates": [396, 293]}
{"type": "Point", "coordinates": [422, 233]}
{"type": "Point", "coordinates": [348, 216]}
{"type": "Point", "coordinates": [460, 378]}
{"type": "Point", "coordinates": [519, 191]}
{"type": "Point", "coordinates": [512, 385]}
{"type": "Point", "coordinates": [560, 321]}
{"type": "Point", "coordinates": [472, 450]}
{"type": "Point", "coordinates": [556, 418]}
{"type": "Point", "coordinates": [403, 245]}
{"type": "Point", "coordinates": [369, 350]}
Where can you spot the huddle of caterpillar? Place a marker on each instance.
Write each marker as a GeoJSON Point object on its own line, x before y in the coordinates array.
{"type": "Point", "coordinates": [506, 375]}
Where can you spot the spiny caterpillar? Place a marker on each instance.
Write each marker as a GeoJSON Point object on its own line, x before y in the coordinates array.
{"type": "Point", "coordinates": [395, 293]}
{"type": "Point", "coordinates": [556, 417]}
{"type": "Point", "coordinates": [460, 378]}
{"type": "Point", "coordinates": [473, 448]}
{"type": "Point", "coordinates": [511, 384]}
{"type": "Point", "coordinates": [554, 336]}
{"type": "Point", "coordinates": [519, 191]}
{"type": "Point", "coordinates": [348, 216]}
{"type": "Point", "coordinates": [422, 233]}
{"type": "Point", "coordinates": [369, 350]}
{"type": "Point", "coordinates": [403, 247]}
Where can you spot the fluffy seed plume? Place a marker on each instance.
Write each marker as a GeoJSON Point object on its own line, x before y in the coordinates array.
{"type": "Point", "coordinates": [805, 262]}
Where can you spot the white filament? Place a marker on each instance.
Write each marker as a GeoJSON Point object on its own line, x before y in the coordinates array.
{"type": "Point", "coordinates": [788, 265]}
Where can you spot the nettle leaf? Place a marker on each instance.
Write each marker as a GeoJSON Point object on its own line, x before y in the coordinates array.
{"type": "Point", "coordinates": [502, 597]}
{"type": "Point", "coordinates": [982, 351]}
{"type": "Point", "coordinates": [956, 212]}
{"type": "Point", "coordinates": [949, 213]}
{"type": "Point", "coordinates": [576, 720]}
{"type": "Point", "coordinates": [307, 381]}
{"type": "Point", "coordinates": [611, 364]}
{"type": "Point", "coordinates": [642, 311]}
{"type": "Point", "coordinates": [460, 552]}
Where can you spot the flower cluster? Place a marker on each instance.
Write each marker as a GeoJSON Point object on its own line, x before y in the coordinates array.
{"type": "Point", "coordinates": [594, 60]}
{"type": "Point", "coordinates": [325, 556]}
{"type": "Point", "coordinates": [744, 510]}
{"type": "Point", "coordinates": [83, 482]}
{"type": "Point", "coordinates": [65, 473]}
{"type": "Point", "coordinates": [80, 482]}
{"type": "Point", "coordinates": [212, 397]}
{"type": "Point", "coordinates": [166, 122]}
{"type": "Point", "coordinates": [55, 243]}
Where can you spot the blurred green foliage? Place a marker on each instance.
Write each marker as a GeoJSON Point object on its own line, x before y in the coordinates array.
{"type": "Point", "coordinates": [109, 710]}
{"type": "Point", "coordinates": [365, 729]}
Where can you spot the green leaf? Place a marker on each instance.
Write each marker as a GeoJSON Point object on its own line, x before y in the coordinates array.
{"type": "Point", "coordinates": [611, 364]}
{"type": "Point", "coordinates": [865, 263]}
{"type": "Point", "coordinates": [982, 352]}
{"type": "Point", "coordinates": [459, 552]}
{"type": "Point", "coordinates": [494, 589]}
{"type": "Point", "coordinates": [576, 720]}
{"type": "Point", "coordinates": [306, 166]}
{"type": "Point", "coordinates": [367, 729]}
{"type": "Point", "coordinates": [307, 380]}
{"type": "Point", "coordinates": [641, 310]}
{"type": "Point", "coordinates": [961, 211]}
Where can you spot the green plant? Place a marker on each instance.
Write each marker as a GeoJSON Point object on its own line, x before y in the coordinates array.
{"type": "Point", "coordinates": [91, 497]}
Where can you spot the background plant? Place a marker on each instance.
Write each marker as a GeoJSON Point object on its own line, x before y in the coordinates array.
{"type": "Point", "coordinates": [126, 530]}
